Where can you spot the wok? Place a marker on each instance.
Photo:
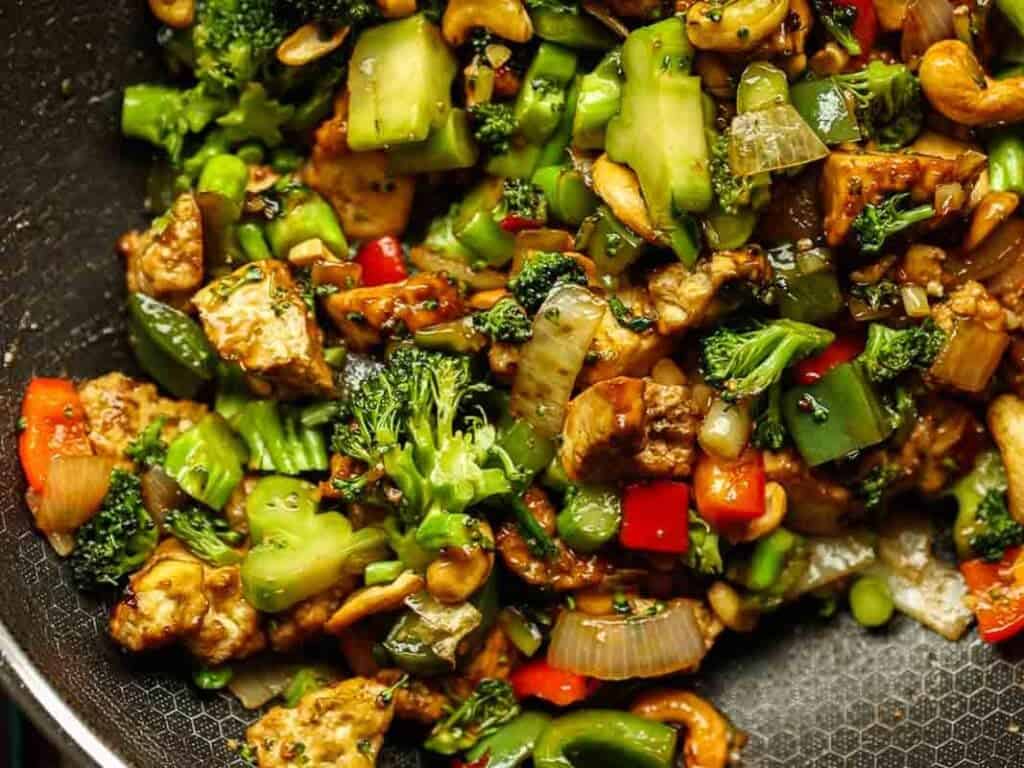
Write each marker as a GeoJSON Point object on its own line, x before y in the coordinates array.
{"type": "Point", "coordinates": [809, 692]}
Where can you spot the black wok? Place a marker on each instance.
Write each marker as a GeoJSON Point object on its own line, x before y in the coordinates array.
{"type": "Point", "coordinates": [814, 693]}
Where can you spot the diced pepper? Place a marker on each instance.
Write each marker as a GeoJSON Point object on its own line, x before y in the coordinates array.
{"type": "Point", "coordinates": [382, 261]}
{"type": "Point", "coordinates": [729, 493]}
{"type": "Point", "coordinates": [169, 345]}
{"type": "Point", "coordinates": [842, 350]}
{"type": "Point", "coordinates": [655, 517]}
{"type": "Point", "coordinates": [865, 28]}
{"type": "Point", "coordinates": [512, 745]}
{"type": "Point", "coordinates": [476, 227]}
{"type": "Point", "coordinates": [569, 198]}
{"type": "Point", "coordinates": [523, 633]}
{"type": "Point", "coordinates": [514, 224]}
{"type": "Point", "coordinates": [823, 105]}
{"type": "Point", "coordinates": [207, 461]}
{"type": "Point", "coordinates": [620, 738]}
{"type": "Point", "coordinates": [998, 593]}
{"type": "Point", "coordinates": [542, 99]}
{"type": "Point", "coordinates": [227, 175]}
{"type": "Point", "coordinates": [53, 424]}
{"type": "Point", "coordinates": [836, 416]}
{"type": "Point", "coordinates": [806, 286]}
{"type": "Point", "coordinates": [762, 85]}
{"type": "Point", "coordinates": [611, 245]}
{"type": "Point", "coordinates": [539, 679]}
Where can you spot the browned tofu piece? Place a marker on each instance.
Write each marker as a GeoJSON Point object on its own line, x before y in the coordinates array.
{"type": "Point", "coordinates": [118, 408]}
{"type": "Point", "coordinates": [367, 316]}
{"type": "Point", "coordinates": [626, 428]}
{"type": "Point", "coordinates": [618, 351]}
{"type": "Point", "coordinates": [342, 726]}
{"type": "Point", "coordinates": [166, 262]}
{"type": "Point", "coordinates": [369, 199]}
{"type": "Point", "coordinates": [256, 317]}
{"type": "Point", "coordinates": [852, 180]}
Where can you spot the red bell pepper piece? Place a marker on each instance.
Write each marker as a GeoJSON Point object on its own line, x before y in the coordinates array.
{"type": "Point", "coordinates": [655, 517]}
{"type": "Point", "coordinates": [842, 350]}
{"type": "Point", "coordinates": [730, 492]}
{"type": "Point", "coordinates": [382, 261]}
{"type": "Point", "coordinates": [481, 763]}
{"type": "Point", "coordinates": [998, 595]}
{"type": "Point", "coordinates": [53, 425]}
{"type": "Point", "coordinates": [865, 28]}
{"type": "Point", "coordinates": [513, 223]}
{"type": "Point", "coordinates": [539, 679]}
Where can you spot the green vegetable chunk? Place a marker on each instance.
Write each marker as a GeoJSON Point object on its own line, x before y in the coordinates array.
{"type": "Point", "coordinates": [306, 215]}
{"type": "Point", "coordinates": [603, 739]}
{"type": "Point", "coordinates": [569, 198]}
{"type": "Point", "coordinates": [227, 175]}
{"type": "Point", "coordinates": [170, 346]}
{"type": "Point", "coordinates": [207, 461]}
{"type": "Point", "coordinates": [762, 85]}
{"type": "Point", "coordinates": [512, 745]}
{"type": "Point", "coordinates": [806, 284]}
{"type": "Point", "coordinates": [573, 30]}
{"type": "Point", "coordinates": [207, 537]}
{"type": "Point", "coordinates": [986, 482]}
{"type": "Point", "coordinates": [400, 79]}
{"type": "Point", "coordinates": [542, 99]}
{"type": "Point", "coordinates": [590, 518]}
{"type": "Point", "coordinates": [599, 100]}
{"type": "Point", "coordinates": [871, 602]}
{"type": "Point", "coordinates": [448, 147]}
{"type": "Point", "coordinates": [1006, 158]}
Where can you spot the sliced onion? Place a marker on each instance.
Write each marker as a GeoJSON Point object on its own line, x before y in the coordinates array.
{"type": "Point", "coordinates": [725, 430]}
{"type": "Point", "coordinates": [997, 252]}
{"type": "Point", "coordinates": [257, 682]}
{"type": "Point", "coordinates": [75, 487]}
{"type": "Point", "coordinates": [550, 361]}
{"type": "Point", "coordinates": [160, 494]}
{"type": "Point", "coordinates": [970, 357]}
{"type": "Point", "coordinates": [427, 260]}
{"type": "Point", "coordinates": [772, 139]}
{"type": "Point", "coordinates": [926, 22]}
{"type": "Point", "coordinates": [444, 626]}
{"type": "Point", "coordinates": [831, 558]}
{"type": "Point", "coordinates": [915, 301]}
{"type": "Point", "coordinates": [623, 647]}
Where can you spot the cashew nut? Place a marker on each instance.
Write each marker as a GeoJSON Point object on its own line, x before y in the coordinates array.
{"type": "Point", "coordinates": [178, 14]}
{"type": "Point", "coordinates": [505, 18]}
{"type": "Point", "coordinates": [708, 734]}
{"type": "Point", "coordinates": [774, 511]}
{"type": "Point", "coordinates": [1006, 423]}
{"type": "Point", "coordinates": [457, 574]}
{"type": "Point", "coordinates": [729, 608]}
{"type": "Point", "coordinates": [309, 43]}
{"type": "Point", "coordinates": [734, 27]}
{"type": "Point", "coordinates": [993, 210]}
{"type": "Point", "coordinates": [957, 86]}
{"type": "Point", "coordinates": [371, 600]}
{"type": "Point", "coordinates": [619, 187]}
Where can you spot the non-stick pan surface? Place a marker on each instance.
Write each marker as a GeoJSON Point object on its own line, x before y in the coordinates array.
{"type": "Point", "coordinates": [813, 693]}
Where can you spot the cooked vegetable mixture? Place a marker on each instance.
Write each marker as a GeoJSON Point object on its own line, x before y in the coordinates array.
{"type": "Point", "coordinates": [493, 353]}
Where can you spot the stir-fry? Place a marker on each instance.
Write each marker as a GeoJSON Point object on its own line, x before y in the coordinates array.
{"type": "Point", "coordinates": [492, 353]}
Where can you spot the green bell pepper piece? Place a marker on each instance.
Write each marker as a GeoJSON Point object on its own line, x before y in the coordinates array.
{"type": "Point", "coordinates": [542, 99]}
{"type": "Point", "coordinates": [806, 284]}
{"type": "Point", "coordinates": [836, 416]}
{"type": "Point", "coordinates": [383, 572]}
{"type": "Point", "coordinates": [823, 105]}
{"type": "Point", "coordinates": [228, 176]}
{"type": "Point", "coordinates": [477, 228]}
{"type": "Point", "coordinates": [611, 245]}
{"type": "Point", "coordinates": [170, 345]}
{"type": "Point", "coordinates": [523, 633]}
{"type": "Point", "coordinates": [449, 146]}
{"type": "Point", "coordinates": [573, 30]}
{"type": "Point", "coordinates": [599, 100]}
{"type": "Point", "coordinates": [725, 231]}
{"type": "Point", "coordinates": [590, 518]}
{"type": "Point", "coordinates": [168, 373]}
{"type": "Point", "coordinates": [306, 216]}
{"type": "Point", "coordinates": [605, 739]}
{"type": "Point", "coordinates": [761, 85]}
{"type": "Point", "coordinates": [518, 163]}
{"type": "Point", "coordinates": [556, 148]}
{"type": "Point", "coordinates": [569, 198]}
{"type": "Point", "coordinates": [1006, 160]}
{"type": "Point", "coordinates": [253, 242]}
{"type": "Point", "coordinates": [512, 745]}
{"type": "Point", "coordinates": [529, 451]}
{"type": "Point", "coordinates": [206, 460]}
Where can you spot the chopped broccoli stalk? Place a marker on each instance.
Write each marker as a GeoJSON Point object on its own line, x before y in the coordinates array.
{"type": "Point", "coordinates": [149, 448]}
{"type": "Point", "coordinates": [704, 555]}
{"type": "Point", "coordinates": [298, 552]}
{"type": "Point", "coordinates": [744, 361]}
{"type": "Point", "coordinates": [624, 316]}
{"type": "Point", "coordinates": [490, 706]}
{"type": "Point", "coordinates": [877, 223]}
{"type": "Point", "coordinates": [405, 419]}
{"type": "Point", "coordinates": [505, 321]}
{"type": "Point", "coordinates": [877, 484]}
{"type": "Point", "coordinates": [117, 540]}
{"type": "Point", "coordinates": [524, 200]}
{"type": "Point", "coordinates": [541, 101]}
{"type": "Point", "coordinates": [985, 483]}
{"type": "Point", "coordinates": [888, 103]}
{"type": "Point", "coordinates": [207, 461]}
{"type": "Point", "coordinates": [233, 39]}
{"type": "Point", "coordinates": [400, 81]}
{"type": "Point", "coordinates": [207, 537]}
{"type": "Point", "coordinates": [541, 274]}
{"type": "Point", "coordinates": [839, 20]}
{"type": "Point", "coordinates": [995, 530]}
{"type": "Point", "coordinates": [769, 428]}
{"type": "Point", "coordinates": [493, 126]}
{"type": "Point", "coordinates": [890, 353]}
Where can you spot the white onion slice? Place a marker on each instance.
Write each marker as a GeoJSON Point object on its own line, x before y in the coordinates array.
{"type": "Point", "coordinates": [772, 139]}
{"type": "Point", "coordinates": [257, 682]}
{"type": "Point", "coordinates": [75, 487]}
{"type": "Point", "coordinates": [624, 647]}
{"type": "Point", "coordinates": [550, 361]}
{"type": "Point", "coordinates": [725, 430]}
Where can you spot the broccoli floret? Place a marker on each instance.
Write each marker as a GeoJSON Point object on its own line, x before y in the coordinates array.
{"type": "Point", "coordinates": [624, 316]}
{"type": "Point", "coordinates": [493, 126]}
{"type": "Point", "coordinates": [149, 449]}
{"type": "Point", "coordinates": [234, 38]}
{"type": "Point", "coordinates": [745, 360]}
{"type": "Point", "coordinates": [888, 99]}
{"type": "Point", "coordinates": [876, 297]}
{"type": "Point", "coordinates": [490, 706]}
{"type": "Point", "coordinates": [995, 530]}
{"type": "Point", "coordinates": [889, 352]}
{"type": "Point", "coordinates": [769, 429]}
{"type": "Point", "coordinates": [541, 274]}
{"type": "Point", "coordinates": [986, 478]}
{"type": "Point", "coordinates": [343, 13]}
{"type": "Point", "coordinates": [166, 116]}
{"type": "Point", "coordinates": [117, 540]}
{"type": "Point", "coordinates": [523, 199]}
{"type": "Point", "coordinates": [877, 223]}
{"type": "Point", "coordinates": [207, 537]}
{"type": "Point", "coordinates": [735, 192]}
{"type": "Point", "coordinates": [704, 555]}
{"type": "Point", "coordinates": [256, 116]}
{"type": "Point", "coordinates": [505, 321]}
{"type": "Point", "coordinates": [839, 19]}
{"type": "Point", "coordinates": [876, 485]}
{"type": "Point", "coordinates": [406, 422]}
